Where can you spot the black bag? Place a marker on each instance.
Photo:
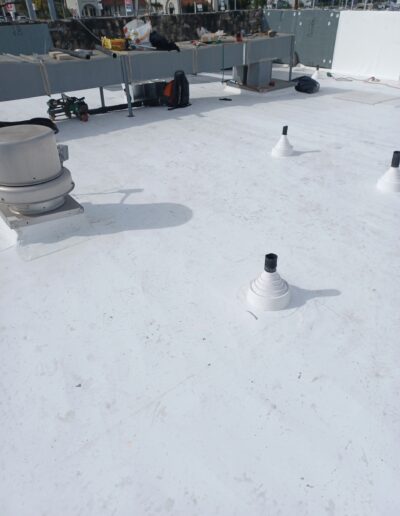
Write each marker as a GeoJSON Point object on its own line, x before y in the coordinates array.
{"type": "Point", "coordinates": [149, 94]}
{"type": "Point", "coordinates": [180, 91]}
{"type": "Point", "coordinates": [306, 85]}
{"type": "Point", "coordinates": [33, 121]}
{"type": "Point", "coordinates": [161, 43]}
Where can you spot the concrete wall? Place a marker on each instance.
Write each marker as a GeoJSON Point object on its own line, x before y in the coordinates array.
{"type": "Point", "coordinates": [71, 34]}
{"type": "Point", "coordinates": [314, 30]}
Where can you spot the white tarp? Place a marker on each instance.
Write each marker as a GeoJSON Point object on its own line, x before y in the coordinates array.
{"type": "Point", "coordinates": [368, 44]}
{"type": "Point", "coordinates": [138, 31]}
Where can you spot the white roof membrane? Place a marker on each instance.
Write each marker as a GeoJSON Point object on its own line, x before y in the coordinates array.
{"type": "Point", "coordinates": [136, 380]}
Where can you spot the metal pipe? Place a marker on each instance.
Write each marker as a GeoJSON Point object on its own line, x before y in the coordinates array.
{"type": "Point", "coordinates": [291, 57]}
{"type": "Point", "coordinates": [81, 54]}
{"type": "Point", "coordinates": [105, 51]}
{"type": "Point", "coordinates": [124, 69]}
{"type": "Point", "coordinates": [52, 10]}
{"type": "Point", "coordinates": [103, 104]}
{"type": "Point", "coordinates": [30, 9]}
{"type": "Point", "coordinates": [129, 100]}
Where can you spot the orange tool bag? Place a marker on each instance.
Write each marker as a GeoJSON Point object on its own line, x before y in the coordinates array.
{"type": "Point", "coordinates": [169, 92]}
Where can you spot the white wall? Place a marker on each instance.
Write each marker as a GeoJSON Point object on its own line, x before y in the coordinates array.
{"type": "Point", "coordinates": [368, 44]}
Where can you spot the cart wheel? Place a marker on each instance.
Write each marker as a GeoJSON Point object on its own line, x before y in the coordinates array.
{"type": "Point", "coordinates": [84, 117]}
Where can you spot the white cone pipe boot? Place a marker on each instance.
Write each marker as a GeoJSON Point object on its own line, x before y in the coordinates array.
{"type": "Point", "coordinates": [269, 291]}
{"type": "Point", "coordinates": [283, 147]}
{"type": "Point", "coordinates": [390, 181]}
{"type": "Point", "coordinates": [316, 75]}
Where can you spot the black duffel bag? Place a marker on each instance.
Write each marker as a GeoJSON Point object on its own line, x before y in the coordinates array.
{"type": "Point", "coordinates": [305, 84]}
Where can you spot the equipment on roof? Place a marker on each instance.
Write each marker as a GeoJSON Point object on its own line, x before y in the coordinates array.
{"type": "Point", "coordinates": [269, 291]}
{"type": "Point", "coordinates": [161, 43]}
{"type": "Point", "coordinates": [282, 148]}
{"type": "Point", "coordinates": [176, 92]}
{"type": "Point", "coordinates": [33, 179]}
{"type": "Point", "coordinates": [390, 181]}
{"type": "Point", "coordinates": [137, 31]}
{"type": "Point", "coordinates": [317, 74]}
{"type": "Point", "coordinates": [68, 106]}
{"type": "Point", "coordinates": [149, 93]}
{"type": "Point", "coordinates": [62, 54]}
{"type": "Point", "coordinates": [114, 43]}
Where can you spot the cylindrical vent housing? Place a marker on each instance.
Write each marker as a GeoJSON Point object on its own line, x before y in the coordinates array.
{"type": "Point", "coordinates": [271, 261]}
{"type": "Point", "coordinates": [28, 155]}
{"type": "Point", "coordinates": [32, 178]}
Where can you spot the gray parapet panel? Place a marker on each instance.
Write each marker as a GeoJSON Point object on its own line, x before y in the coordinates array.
{"type": "Point", "coordinates": [314, 30]}
{"type": "Point", "coordinates": [18, 38]}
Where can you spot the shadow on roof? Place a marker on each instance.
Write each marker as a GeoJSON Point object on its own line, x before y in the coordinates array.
{"type": "Point", "coordinates": [118, 120]}
{"type": "Point", "coordinates": [300, 296]}
{"type": "Point", "coordinates": [114, 218]}
{"type": "Point", "coordinates": [98, 219]}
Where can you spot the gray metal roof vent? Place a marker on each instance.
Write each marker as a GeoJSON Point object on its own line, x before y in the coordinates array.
{"type": "Point", "coordinates": [33, 180]}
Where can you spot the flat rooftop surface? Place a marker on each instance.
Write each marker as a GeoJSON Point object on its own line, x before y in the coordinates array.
{"type": "Point", "coordinates": [136, 381]}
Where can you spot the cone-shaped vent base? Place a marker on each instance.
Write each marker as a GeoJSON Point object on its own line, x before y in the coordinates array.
{"type": "Point", "coordinates": [282, 148]}
{"type": "Point", "coordinates": [316, 75]}
{"type": "Point", "coordinates": [268, 292]}
{"type": "Point", "coordinates": [390, 181]}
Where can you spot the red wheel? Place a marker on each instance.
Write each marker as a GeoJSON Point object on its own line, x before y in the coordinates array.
{"type": "Point", "coordinates": [84, 117]}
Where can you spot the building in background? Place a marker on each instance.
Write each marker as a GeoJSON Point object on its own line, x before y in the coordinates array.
{"type": "Point", "coordinates": [89, 8]}
{"type": "Point", "coordinates": [196, 6]}
{"type": "Point", "coordinates": [84, 8]}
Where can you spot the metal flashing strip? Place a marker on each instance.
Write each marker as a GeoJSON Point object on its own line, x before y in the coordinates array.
{"type": "Point", "coordinates": [69, 208]}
